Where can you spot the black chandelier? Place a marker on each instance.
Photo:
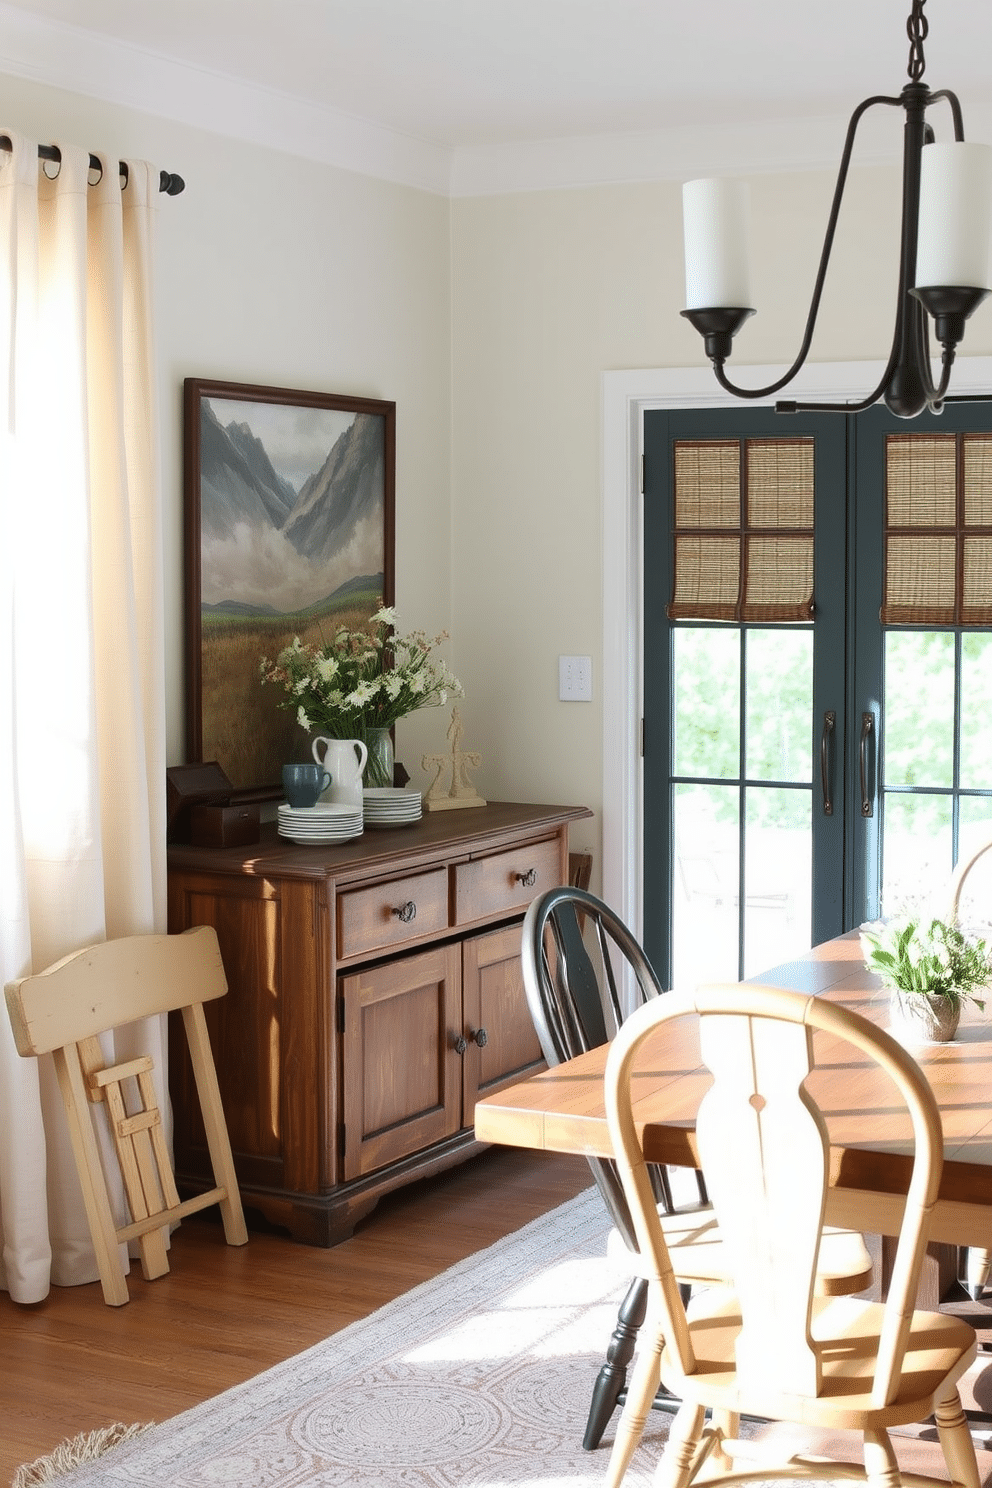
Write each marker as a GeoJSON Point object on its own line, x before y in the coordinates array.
{"type": "Point", "coordinates": [943, 259]}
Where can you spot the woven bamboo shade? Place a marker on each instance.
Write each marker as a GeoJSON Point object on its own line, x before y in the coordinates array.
{"type": "Point", "coordinates": [743, 530]}
{"type": "Point", "coordinates": [938, 530]}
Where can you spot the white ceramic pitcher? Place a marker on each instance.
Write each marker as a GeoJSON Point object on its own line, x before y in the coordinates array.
{"type": "Point", "coordinates": [344, 760]}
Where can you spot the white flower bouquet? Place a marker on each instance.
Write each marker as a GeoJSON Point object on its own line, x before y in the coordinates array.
{"type": "Point", "coordinates": [361, 680]}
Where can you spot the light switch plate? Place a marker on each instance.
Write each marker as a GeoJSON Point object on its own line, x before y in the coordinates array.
{"type": "Point", "coordinates": [575, 679]}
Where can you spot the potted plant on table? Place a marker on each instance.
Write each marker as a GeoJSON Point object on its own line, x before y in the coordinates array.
{"type": "Point", "coordinates": [357, 685]}
{"type": "Point", "coordinates": [930, 968]}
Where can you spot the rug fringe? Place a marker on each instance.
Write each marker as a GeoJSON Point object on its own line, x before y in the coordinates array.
{"type": "Point", "coordinates": [74, 1451]}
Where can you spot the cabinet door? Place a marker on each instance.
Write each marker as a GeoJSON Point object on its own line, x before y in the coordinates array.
{"type": "Point", "coordinates": [502, 1046]}
{"type": "Point", "coordinates": [270, 1037]}
{"type": "Point", "coordinates": [401, 1072]}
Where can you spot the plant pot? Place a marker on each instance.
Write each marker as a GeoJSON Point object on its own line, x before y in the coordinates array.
{"type": "Point", "coordinates": [925, 1017]}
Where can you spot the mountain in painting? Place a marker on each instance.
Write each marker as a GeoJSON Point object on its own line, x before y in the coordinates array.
{"type": "Point", "coordinates": [341, 496]}
{"type": "Point", "coordinates": [237, 481]}
{"type": "Point", "coordinates": [272, 545]}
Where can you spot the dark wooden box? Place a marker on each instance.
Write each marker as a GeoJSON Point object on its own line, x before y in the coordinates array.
{"type": "Point", "coordinates": [187, 786]}
{"type": "Point", "coordinates": [224, 826]}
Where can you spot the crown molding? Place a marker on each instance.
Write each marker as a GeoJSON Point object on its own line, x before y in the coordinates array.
{"type": "Point", "coordinates": [675, 154]}
{"type": "Point", "coordinates": [96, 66]}
{"type": "Point", "coordinates": [100, 67]}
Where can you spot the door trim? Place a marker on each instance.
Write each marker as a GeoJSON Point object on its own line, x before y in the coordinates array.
{"type": "Point", "coordinates": [626, 396]}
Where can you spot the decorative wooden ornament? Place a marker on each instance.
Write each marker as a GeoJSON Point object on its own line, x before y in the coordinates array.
{"type": "Point", "coordinates": [461, 792]}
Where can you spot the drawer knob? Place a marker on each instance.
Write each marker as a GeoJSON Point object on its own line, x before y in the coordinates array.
{"type": "Point", "coordinates": [528, 879]}
{"type": "Point", "coordinates": [406, 912]}
{"type": "Point", "coordinates": [460, 1044]}
{"type": "Point", "coordinates": [481, 1037]}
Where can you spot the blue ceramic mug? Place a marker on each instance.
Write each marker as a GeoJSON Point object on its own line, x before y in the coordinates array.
{"type": "Point", "coordinates": [304, 783]}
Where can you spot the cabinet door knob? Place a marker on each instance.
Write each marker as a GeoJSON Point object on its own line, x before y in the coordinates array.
{"type": "Point", "coordinates": [461, 1044]}
{"type": "Point", "coordinates": [481, 1037]}
{"type": "Point", "coordinates": [406, 912]}
{"type": "Point", "coordinates": [528, 879]}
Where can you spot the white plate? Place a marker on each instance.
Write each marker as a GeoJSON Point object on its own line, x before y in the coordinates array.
{"type": "Point", "coordinates": [390, 794]}
{"type": "Point", "coordinates": [325, 824]}
{"type": "Point", "coordinates": [323, 811]}
{"type": "Point", "coordinates": [315, 839]}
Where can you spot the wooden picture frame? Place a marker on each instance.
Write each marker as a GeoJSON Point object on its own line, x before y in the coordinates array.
{"type": "Point", "coordinates": [289, 530]}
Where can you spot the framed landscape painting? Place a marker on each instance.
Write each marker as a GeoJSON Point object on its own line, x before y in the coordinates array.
{"type": "Point", "coordinates": [289, 510]}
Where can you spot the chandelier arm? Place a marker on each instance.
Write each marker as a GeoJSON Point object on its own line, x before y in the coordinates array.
{"type": "Point", "coordinates": [789, 406]}
{"type": "Point", "coordinates": [934, 391]}
{"type": "Point", "coordinates": [956, 114]}
{"type": "Point", "coordinates": [821, 273]}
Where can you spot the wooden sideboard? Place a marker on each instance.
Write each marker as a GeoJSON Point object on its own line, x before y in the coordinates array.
{"type": "Point", "coordinates": [375, 993]}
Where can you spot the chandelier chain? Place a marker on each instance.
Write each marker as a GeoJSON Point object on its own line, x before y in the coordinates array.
{"type": "Point", "coordinates": [917, 29]}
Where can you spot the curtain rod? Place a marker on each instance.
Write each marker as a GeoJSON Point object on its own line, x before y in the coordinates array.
{"type": "Point", "coordinates": [172, 185]}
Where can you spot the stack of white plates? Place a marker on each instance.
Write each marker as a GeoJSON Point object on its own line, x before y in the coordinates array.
{"type": "Point", "coordinates": [330, 822]}
{"type": "Point", "coordinates": [388, 806]}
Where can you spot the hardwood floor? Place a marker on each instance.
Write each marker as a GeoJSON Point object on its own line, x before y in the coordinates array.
{"type": "Point", "coordinates": [71, 1364]}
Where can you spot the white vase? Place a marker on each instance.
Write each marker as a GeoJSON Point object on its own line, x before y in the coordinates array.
{"type": "Point", "coordinates": [925, 1017]}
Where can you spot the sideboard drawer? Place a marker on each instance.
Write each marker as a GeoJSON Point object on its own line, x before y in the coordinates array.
{"type": "Point", "coordinates": [388, 914]}
{"type": "Point", "coordinates": [503, 882]}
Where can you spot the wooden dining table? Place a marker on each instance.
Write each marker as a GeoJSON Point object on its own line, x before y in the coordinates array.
{"type": "Point", "coordinates": [562, 1109]}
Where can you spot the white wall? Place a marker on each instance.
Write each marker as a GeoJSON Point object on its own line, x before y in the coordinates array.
{"type": "Point", "coordinates": [276, 270]}
{"type": "Point", "coordinates": [490, 321]}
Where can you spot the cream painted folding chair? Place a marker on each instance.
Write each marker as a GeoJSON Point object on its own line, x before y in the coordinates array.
{"type": "Point", "coordinates": [62, 1011]}
{"type": "Point", "coordinates": [979, 1262]}
{"type": "Point", "coordinates": [767, 1346]}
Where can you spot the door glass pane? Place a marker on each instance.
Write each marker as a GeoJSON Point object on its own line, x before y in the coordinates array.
{"type": "Point", "coordinates": [916, 851]}
{"type": "Point", "coordinates": [707, 884]}
{"type": "Point", "coordinates": [778, 844]}
{"type": "Point", "coordinates": [976, 710]}
{"type": "Point", "coordinates": [919, 708]}
{"type": "Point", "coordinates": [976, 824]}
{"type": "Point", "coordinates": [975, 904]}
{"type": "Point", "coordinates": [779, 704]}
{"type": "Point", "coordinates": [706, 702]}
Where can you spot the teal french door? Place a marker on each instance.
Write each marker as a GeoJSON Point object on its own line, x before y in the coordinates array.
{"type": "Point", "coordinates": [798, 773]}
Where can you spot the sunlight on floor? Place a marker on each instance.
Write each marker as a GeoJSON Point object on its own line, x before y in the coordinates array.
{"type": "Point", "coordinates": [568, 1309]}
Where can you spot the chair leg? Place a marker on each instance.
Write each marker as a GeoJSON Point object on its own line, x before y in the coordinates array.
{"type": "Point", "coordinates": [956, 1441]}
{"type": "Point", "coordinates": [613, 1376]}
{"type": "Point", "coordinates": [978, 1265]}
{"type": "Point", "coordinates": [681, 1454]}
{"type": "Point", "coordinates": [212, 1111]}
{"type": "Point", "coordinates": [726, 1426]}
{"type": "Point", "coordinates": [640, 1395]}
{"type": "Point", "coordinates": [92, 1181]}
{"type": "Point", "coordinates": [881, 1467]}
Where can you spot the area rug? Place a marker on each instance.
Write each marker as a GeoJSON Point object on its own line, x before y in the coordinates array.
{"type": "Point", "coordinates": [75, 1450]}
{"type": "Point", "coordinates": [481, 1378]}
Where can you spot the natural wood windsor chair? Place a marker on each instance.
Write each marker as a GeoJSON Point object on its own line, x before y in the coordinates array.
{"type": "Point", "coordinates": [767, 1345]}
{"type": "Point", "coordinates": [577, 956]}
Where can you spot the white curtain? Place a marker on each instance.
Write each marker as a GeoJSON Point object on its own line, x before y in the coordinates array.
{"type": "Point", "coordinates": [82, 729]}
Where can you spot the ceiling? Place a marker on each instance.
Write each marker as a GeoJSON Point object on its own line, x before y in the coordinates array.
{"type": "Point", "coordinates": [457, 77]}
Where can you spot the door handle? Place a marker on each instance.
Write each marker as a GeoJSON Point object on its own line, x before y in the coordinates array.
{"type": "Point", "coordinates": [829, 724]}
{"type": "Point", "coordinates": [867, 728]}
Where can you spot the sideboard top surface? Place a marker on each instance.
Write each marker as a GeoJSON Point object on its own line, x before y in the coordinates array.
{"type": "Point", "coordinates": [448, 832]}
